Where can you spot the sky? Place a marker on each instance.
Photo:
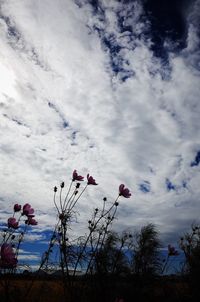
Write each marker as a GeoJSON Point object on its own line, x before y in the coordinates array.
{"type": "Point", "coordinates": [110, 88]}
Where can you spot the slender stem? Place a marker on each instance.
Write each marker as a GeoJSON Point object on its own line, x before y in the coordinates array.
{"type": "Point", "coordinates": [69, 200]}
{"type": "Point", "coordinates": [166, 262]}
{"type": "Point", "coordinates": [91, 231]}
{"type": "Point", "coordinates": [54, 200]}
{"type": "Point", "coordinates": [43, 260]}
{"type": "Point", "coordinates": [67, 194]}
{"type": "Point", "coordinates": [71, 203]}
{"type": "Point", "coordinates": [93, 253]}
{"type": "Point", "coordinates": [61, 208]}
{"type": "Point", "coordinates": [78, 197]}
{"type": "Point", "coordinates": [20, 240]}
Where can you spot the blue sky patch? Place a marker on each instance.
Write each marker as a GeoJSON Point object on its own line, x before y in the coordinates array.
{"type": "Point", "coordinates": [145, 187]}
{"type": "Point", "coordinates": [196, 160]}
{"type": "Point", "coordinates": [170, 185]}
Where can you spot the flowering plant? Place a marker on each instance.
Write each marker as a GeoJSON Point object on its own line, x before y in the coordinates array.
{"type": "Point", "coordinates": [98, 225]}
{"type": "Point", "coordinates": [13, 235]}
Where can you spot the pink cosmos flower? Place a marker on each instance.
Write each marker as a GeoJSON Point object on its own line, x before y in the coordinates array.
{"type": "Point", "coordinates": [91, 180]}
{"type": "Point", "coordinates": [124, 191]}
{"type": "Point", "coordinates": [77, 177]}
{"type": "Point", "coordinates": [31, 221]}
{"type": "Point", "coordinates": [12, 223]}
{"type": "Point", "coordinates": [172, 251]}
{"type": "Point", "coordinates": [27, 210]}
{"type": "Point", "coordinates": [8, 258]}
{"type": "Point", "coordinates": [17, 207]}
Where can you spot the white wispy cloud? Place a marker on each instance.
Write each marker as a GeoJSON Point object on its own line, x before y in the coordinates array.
{"type": "Point", "coordinates": [64, 105]}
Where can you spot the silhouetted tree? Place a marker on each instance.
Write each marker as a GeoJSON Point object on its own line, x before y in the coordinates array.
{"type": "Point", "coordinates": [146, 244]}
{"type": "Point", "coordinates": [190, 244]}
{"type": "Point", "coordinates": [110, 258]}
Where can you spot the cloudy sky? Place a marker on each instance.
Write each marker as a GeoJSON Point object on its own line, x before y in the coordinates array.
{"type": "Point", "coordinates": [110, 88]}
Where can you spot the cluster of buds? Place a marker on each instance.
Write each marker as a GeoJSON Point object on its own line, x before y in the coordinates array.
{"type": "Point", "coordinates": [65, 205]}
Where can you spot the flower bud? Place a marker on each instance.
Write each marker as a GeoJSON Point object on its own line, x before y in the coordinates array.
{"type": "Point", "coordinates": [17, 207]}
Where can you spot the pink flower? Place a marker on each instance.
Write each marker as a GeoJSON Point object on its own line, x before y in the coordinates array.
{"type": "Point", "coordinates": [124, 191]}
{"type": "Point", "coordinates": [12, 223]}
{"type": "Point", "coordinates": [172, 251]}
{"type": "Point", "coordinates": [27, 210]}
{"type": "Point", "coordinates": [91, 180]}
{"type": "Point", "coordinates": [75, 176]}
{"type": "Point", "coordinates": [31, 221]}
{"type": "Point", "coordinates": [17, 207]}
{"type": "Point", "coordinates": [8, 258]}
